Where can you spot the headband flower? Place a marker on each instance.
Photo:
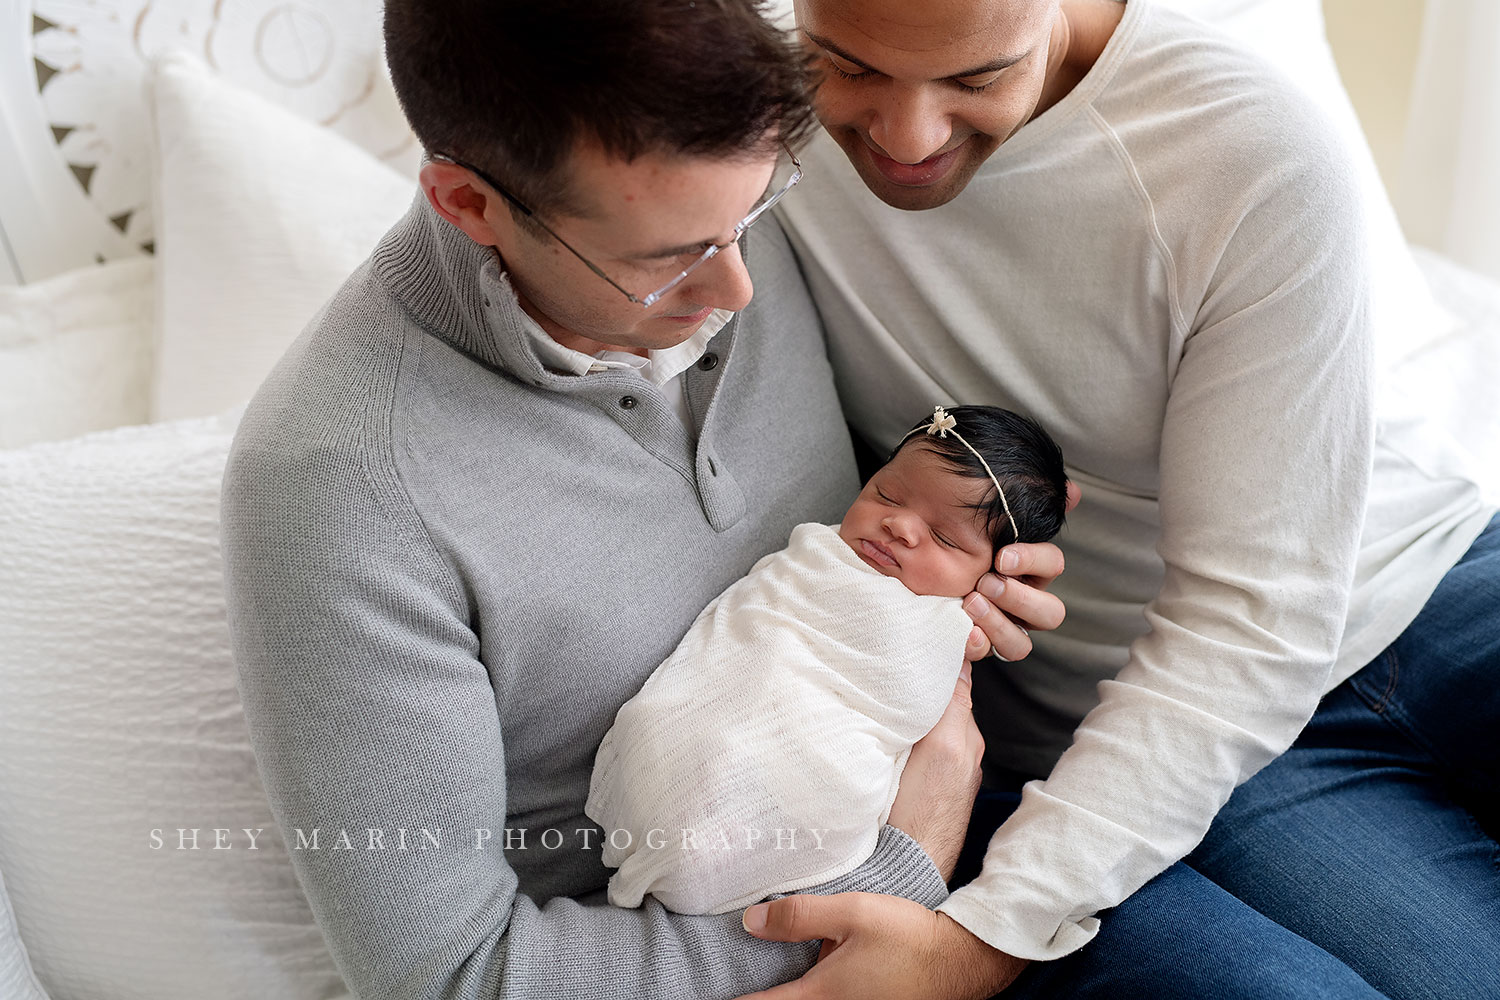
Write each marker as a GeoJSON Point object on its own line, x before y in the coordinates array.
{"type": "Point", "coordinates": [943, 423]}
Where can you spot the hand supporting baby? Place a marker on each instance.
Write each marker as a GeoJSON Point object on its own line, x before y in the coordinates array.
{"type": "Point", "coordinates": [1014, 598]}
{"type": "Point", "coordinates": [941, 778]}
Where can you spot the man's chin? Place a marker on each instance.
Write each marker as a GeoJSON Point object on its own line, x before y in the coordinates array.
{"type": "Point", "coordinates": [908, 197]}
{"type": "Point", "coordinates": [911, 199]}
{"type": "Point", "coordinates": [669, 330]}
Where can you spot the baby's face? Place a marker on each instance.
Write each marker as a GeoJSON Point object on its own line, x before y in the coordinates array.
{"type": "Point", "coordinates": [910, 522]}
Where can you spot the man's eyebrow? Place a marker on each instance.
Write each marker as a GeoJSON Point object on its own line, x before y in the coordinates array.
{"type": "Point", "coordinates": [674, 251]}
{"type": "Point", "coordinates": [677, 251]}
{"type": "Point", "coordinates": [993, 66]}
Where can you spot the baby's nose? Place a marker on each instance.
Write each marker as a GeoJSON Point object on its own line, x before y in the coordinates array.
{"type": "Point", "coordinates": [902, 527]}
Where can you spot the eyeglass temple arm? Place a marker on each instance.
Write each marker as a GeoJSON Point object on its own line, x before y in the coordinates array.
{"type": "Point", "coordinates": [532, 216]}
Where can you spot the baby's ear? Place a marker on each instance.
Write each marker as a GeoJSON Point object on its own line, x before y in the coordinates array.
{"type": "Point", "coordinates": [1074, 496]}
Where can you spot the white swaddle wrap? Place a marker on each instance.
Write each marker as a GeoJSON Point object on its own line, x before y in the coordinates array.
{"type": "Point", "coordinates": [763, 756]}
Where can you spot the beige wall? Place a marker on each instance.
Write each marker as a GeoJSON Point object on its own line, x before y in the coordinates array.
{"type": "Point", "coordinates": [1375, 44]}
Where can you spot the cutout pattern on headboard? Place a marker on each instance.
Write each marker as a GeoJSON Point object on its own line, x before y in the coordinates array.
{"type": "Point", "coordinates": [74, 118]}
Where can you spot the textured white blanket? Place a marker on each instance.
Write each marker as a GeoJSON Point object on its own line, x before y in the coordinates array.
{"type": "Point", "coordinates": [763, 755]}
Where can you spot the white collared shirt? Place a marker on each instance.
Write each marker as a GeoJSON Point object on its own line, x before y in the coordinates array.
{"type": "Point", "coordinates": [661, 368]}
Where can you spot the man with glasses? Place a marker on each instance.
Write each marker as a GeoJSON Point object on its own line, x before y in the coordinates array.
{"type": "Point", "coordinates": [661, 265]}
{"type": "Point", "coordinates": [708, 253]}
{"type": "Point", "coordinates": [487, 490]}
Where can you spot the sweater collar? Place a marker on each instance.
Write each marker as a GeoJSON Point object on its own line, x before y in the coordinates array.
{"type": "Point", "coordinates": [456, 290]}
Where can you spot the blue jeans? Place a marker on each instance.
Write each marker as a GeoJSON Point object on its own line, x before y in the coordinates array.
{"type": "Point", "coordinates": [1361, 863]}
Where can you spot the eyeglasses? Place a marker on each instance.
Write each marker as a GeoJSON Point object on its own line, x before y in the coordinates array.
{"type": "Point", "coordinates": [708, 254]}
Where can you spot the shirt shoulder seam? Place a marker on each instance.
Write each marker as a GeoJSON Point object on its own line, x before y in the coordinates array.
{"type": "Point", "coordinates": [394, 493]}
{"type": "Point", "coordinates": [1127, 163]}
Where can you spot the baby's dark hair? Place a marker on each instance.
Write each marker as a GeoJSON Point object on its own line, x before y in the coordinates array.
{"type": "Point", "coordinates": [1025, 459]}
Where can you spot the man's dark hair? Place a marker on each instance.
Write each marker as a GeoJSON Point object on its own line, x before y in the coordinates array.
{"type": "Point", "coordinates": [511, 87]}
{"type": "Point", "coordinates": [1025, 459]}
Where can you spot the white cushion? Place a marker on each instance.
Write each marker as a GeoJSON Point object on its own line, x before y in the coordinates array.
{"type": "Point", "coordinates": [17, 981]}
{"type": "Point", "coordinates": [1290, 34]}
{"type": "Point", "coordinates": [119, 715]}
{"type": "Point", "coordinates": [1451, 382]}
{"type": "Point", "coordinates": [75, 352]}
{"type": "Point", "coordinates": [260, 217]}
{"type": "Point", "coordinates": [74, 141]}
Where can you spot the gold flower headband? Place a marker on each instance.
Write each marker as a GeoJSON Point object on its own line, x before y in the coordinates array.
{"type": "Point", "coordinates": [943, 424]}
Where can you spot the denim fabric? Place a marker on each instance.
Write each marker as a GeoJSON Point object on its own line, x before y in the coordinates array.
{"type": "Point", "coordinates": [1375, 834]}
{"type": "Point", "coordinates": [1180, 937]}
{"type": "Point", "coordinates": [1361, 863]}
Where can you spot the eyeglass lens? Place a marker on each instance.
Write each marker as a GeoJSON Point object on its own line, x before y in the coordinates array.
{"type": "Point", "coordinates": [739, 230]}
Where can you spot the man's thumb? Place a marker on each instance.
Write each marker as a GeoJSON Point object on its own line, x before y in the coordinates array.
{"type": "Point", "coordinates": [800, 918]}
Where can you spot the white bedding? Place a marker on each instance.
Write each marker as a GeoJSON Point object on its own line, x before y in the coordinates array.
{"type": "Point", "coordinates": [1452, 380]}
{"type": "Point", "coordinates": [75, 352]}
{"type": "Point", "coordinates": [119, 716]}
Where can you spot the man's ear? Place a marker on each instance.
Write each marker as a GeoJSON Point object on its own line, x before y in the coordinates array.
{"type": "Point", "coordinates": [457, 197]}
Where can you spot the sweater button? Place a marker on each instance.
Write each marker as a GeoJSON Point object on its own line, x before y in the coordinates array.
{"type": "Point", "coordinates": [627, 402]}
{"type": "Point", "coordinates": [713, 470]}
{"type": "Point", "coordinates": [708, 362]}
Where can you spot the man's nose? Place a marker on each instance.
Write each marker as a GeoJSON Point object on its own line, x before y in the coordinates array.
{"type": "Point", "coordinates": [723, 282]}
{"type": "Point", "coordinates": [909, 123]}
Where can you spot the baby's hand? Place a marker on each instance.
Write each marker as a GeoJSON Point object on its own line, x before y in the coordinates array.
{"type": "Point", "coordinates": [1004, 607]}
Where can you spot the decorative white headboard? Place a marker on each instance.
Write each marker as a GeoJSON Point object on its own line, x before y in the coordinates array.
{"type": "Point", "coordinates": [74, 123]}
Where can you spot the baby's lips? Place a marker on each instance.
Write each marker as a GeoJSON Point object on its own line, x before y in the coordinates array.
{"type": "Point", "coordinates": [881, 550]}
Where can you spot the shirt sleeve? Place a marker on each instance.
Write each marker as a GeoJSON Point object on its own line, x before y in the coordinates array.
{"type": "Point", "coordinates": [369, 709]}
{"type": "Point", "coordinates": [1266, 450]}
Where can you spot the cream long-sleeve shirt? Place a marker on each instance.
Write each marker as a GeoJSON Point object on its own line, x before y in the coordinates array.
{"type": "Point", "coordinates": [1167, 269]}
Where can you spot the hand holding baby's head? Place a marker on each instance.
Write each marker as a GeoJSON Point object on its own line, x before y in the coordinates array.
{"type": "Point", "coordinates": [958, 487]}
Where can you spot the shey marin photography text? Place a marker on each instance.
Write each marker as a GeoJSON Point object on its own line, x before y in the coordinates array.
{"type": "Point", "coordinates": [585, 838]}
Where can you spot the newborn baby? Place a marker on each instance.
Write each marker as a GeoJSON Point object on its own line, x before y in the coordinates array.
{"type": "Point", "coordinates": [763, 756]}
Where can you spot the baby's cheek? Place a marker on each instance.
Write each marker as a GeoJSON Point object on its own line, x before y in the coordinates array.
{"type": "Point", "coordinates": [951, 578]}
{"type": "Point", "coordinates": [974, 568]}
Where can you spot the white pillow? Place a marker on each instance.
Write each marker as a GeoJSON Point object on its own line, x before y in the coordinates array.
{"type": "Point", "coordinates": [75, 352]}
{"type": "Point", "coordinates": [1450, 383]}
{"type": "Point", "coordinates": [17, 981]}
{"type": "Point", "coordinates": [74, 140]}
{"type": "Point", "coordinates": [1290, 35]}
{"type": "Point", "coordinates": [119, 715]}
{"type": "Point", "coordinates": [260, 216]}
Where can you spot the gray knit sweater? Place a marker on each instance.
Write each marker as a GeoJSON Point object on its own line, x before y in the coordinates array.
{"type": "Point", "coordinates": [448, 567]}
